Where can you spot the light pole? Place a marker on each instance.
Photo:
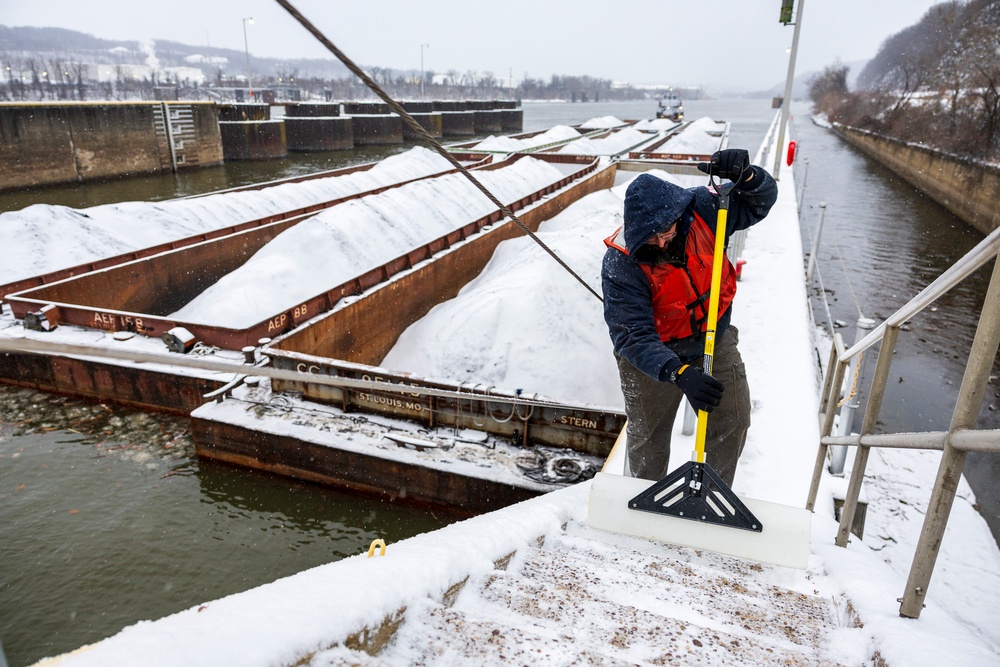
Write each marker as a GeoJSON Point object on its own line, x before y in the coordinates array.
{"type": "Point", "coordinates": [786, 103]}
{"type": "Point", "coordinates": [422, 68]}
{"type": "Point", "coordinates": [246, 47]}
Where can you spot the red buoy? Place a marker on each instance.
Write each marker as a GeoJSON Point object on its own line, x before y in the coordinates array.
{"type": "Point", "coordinates": [791, 153]}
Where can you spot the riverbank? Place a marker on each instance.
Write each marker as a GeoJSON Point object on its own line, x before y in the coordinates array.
{"type": "Point", "coordinates": [968, 188]}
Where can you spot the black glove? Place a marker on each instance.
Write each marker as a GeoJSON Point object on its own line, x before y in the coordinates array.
{"type": "Point", "coordinates": [732, 163]}
{"type": "Point", "coordinates": [703, 391]}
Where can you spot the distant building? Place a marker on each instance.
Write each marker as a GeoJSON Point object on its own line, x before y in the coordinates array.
{"type": "Point", "coordinates": [198, 59]}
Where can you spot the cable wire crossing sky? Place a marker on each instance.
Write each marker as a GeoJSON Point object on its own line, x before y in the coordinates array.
{"type": "Point", "coordinates": [727, 45]}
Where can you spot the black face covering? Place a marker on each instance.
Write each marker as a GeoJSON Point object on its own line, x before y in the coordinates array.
{"type": "Point", "coordinates": [672, 253]}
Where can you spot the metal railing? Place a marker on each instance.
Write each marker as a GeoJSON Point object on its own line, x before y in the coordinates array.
{"type": "Point", "coordinates": [961, 436]}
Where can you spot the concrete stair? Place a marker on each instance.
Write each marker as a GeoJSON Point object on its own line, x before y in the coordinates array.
{"type": "Point", "coordinates": [578, 600]}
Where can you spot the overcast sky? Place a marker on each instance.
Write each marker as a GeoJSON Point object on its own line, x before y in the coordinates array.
{"type": "Point", "coordinates": [726, 44]}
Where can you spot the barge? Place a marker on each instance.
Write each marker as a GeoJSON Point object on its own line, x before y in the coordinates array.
{"type": "Point", "coordinates": [127, 300]}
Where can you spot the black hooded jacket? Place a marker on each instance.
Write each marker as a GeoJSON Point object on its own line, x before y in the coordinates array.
{"type": "Point", "coordinates": [651, 206]}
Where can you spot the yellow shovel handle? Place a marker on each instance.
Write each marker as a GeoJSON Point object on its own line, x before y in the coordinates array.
{"type": "Point", "coordinates": [713, 320]}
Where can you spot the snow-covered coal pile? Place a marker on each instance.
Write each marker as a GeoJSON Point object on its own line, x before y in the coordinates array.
{"type": "Point", "coordinates": [512, 145]}
{"type": "Point", "coordinates": [349, 239]}
{"type": "Point", "coordinates": [701, 137]}
{"type": "Point", "coordinates": [43, 238]}
{"type": "Point", "coordinates": [525, 322]}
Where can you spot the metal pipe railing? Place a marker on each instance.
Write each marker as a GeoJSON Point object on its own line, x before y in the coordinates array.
{"type": "Point", "coordinates": [966, 440]}
{"type": "Point", "coordinates": [815, 243]}
{"type": "Point", "coordinates": [828, 408]}
{"type": "Point", "coordinates": [955, 443]}
{"type": "Point", "coordinates": [850, 404]}
{"type": "Point", "coordinates": [959, 271]}
{"type": "Point", "coordinates": [970, 397]}
{"type": "Point", "coordinates": [879, 382]}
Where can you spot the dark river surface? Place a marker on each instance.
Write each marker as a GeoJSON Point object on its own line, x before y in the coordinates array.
{"type": "Point", "coordinates": [882, 242]}
{"type": "Point", "coordinates": [107, 517]}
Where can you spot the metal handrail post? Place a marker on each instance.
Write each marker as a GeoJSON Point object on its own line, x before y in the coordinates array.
{"type": "Point", "coordinates": [836, 369]}
{"type": "Point", "coordinates": [970, 397]}
{"type": "Point", "coordinates": [690, 419]}
{"type": "Point", "coordinates": [815, 245]}
{"type": "Point", "coordinates": [805, 175]}
{"type": "Point", "coordinates": [879, 383]}
{"type": "Point", "coordinates": [736, 244]}
{"type": "Point", "coordinates": [838, 454]}
{"type": "Point", "coordinates": [828, 376]}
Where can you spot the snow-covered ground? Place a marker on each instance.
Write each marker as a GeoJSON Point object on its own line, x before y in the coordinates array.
{"type": "Point", "coordinates": [302, 619]}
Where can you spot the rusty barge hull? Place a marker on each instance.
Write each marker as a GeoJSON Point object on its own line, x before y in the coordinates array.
{"type": "Point", "coordinates": [364, 474]}
{"type": "Point", "coordinates": [133, 295]}
{"type": "Point", "coordinates": [291, 215]}
{"type": "Point", "coordinates": [125, 296]}
{"type": "Point", "coordinates": [133, 386]}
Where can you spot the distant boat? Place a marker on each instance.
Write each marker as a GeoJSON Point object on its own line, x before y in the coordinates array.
{"type": "Point", "coordinates": [671, 107]}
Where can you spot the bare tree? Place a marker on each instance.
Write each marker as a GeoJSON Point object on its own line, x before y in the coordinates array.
{"type": "Point", "coordinates": [831, 82]}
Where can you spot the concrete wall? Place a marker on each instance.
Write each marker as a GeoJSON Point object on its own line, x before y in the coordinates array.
{"type": "Point", "coordinates": [43, 144]}
{"type": "Point", "coordinates": [253, 140]}
{"type": "Point", "coordinates": [431, 122]}
{"type": "Point", "coordinates": [308, 133]}
{"type": "Point", "coordinates": [967, 188]}
{"type": "Point", "coordinates": [50, 143]}
{"type": "Point", "coordinates": [195, 128]}
{"type": "Point", "coordinates": [377, 130]}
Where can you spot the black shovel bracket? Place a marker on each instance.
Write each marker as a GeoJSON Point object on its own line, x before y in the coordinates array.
{"type": "Point", "coordinates": [696, 492]}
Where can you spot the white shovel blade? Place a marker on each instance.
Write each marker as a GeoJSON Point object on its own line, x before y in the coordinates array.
{"type": "Point", "coordinates": [783, 541]}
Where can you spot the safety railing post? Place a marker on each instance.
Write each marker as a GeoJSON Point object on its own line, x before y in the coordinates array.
{"type": "Point", "coordinates": [815, 245]}
{"type": "Point", "coordinates": [805, 175]}
{"type": "Point", "coordinates": [824, 396]}
{"type": "Point", "coordinates": [838, 454]}
{"type": "Point", "coordinates": [970, 397]}
{"type": "Point", "coordinates": [736, 244]}
{"type": "Point", "coordinates": [836, 368]}
{"type": "Point", "coordinates": [872, 409]}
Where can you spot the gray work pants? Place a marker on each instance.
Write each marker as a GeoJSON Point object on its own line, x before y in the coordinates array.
{"type": "Point", "coordinates": [651, 406]}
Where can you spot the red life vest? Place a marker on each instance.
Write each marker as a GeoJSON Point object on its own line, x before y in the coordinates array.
{"type": "Point", "coordinates": [681, 293]}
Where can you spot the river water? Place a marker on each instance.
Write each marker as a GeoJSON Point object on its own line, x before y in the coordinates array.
{"type": "Point", "coordinates": [881, 243]}
{"type": "Point", "coordinates": [107, 517]}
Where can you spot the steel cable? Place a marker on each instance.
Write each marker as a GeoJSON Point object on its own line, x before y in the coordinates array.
{"type": "Point", "coordinates": [847, 277]}
{"type": "Point", "coordinates": [397, 108]}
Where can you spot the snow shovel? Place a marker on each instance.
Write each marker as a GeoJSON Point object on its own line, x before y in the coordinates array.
{"type": "Point", "coordinates": [693, 506]}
